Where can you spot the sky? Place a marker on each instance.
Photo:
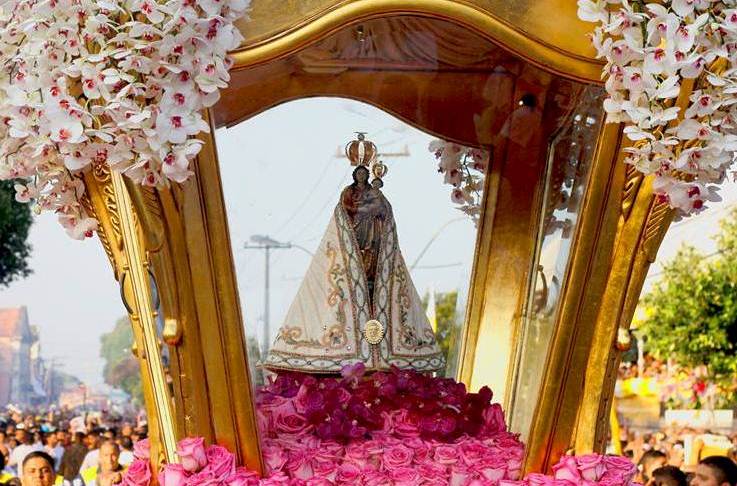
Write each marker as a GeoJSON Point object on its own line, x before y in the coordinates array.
{"type": "Point", "coordinates": [281, 178]}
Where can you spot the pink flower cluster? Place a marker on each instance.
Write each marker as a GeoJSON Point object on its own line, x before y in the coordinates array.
{"type": "Point", "coordinates": [586, 470]}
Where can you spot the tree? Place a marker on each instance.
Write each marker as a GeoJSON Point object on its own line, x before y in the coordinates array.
{"type": "Point", "coordinates": [691, 315]}
{"type": "Point", "coordinates": [121, 367]}
{"type": "Point", "coordinates": [15, 222]}
{"type": "Point", "coordinates": [446, 333]}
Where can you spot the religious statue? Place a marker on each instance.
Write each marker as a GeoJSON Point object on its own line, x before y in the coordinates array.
{"type": "Point", "coordinates": [357, 302]}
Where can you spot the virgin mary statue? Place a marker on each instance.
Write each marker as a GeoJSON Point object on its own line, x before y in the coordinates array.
{"type": "Point", "coordinates": [357, 302]}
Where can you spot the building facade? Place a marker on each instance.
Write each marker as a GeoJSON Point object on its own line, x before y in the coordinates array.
{"type": "Point", "coordinates": [21, 367]}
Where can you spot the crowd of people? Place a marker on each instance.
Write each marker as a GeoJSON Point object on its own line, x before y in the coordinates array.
{"type": "Point", "coordinates": [53, 450]}
{"type": "Point", "coordinates": [683, 456]}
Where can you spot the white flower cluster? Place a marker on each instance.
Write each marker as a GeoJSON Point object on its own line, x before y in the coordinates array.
{"type": "Point", "coordinates": [650, 49]}
{"type": "Point", "coordinates": [114, 82]}
{"type": "Point", "coordinates": [463, 168]}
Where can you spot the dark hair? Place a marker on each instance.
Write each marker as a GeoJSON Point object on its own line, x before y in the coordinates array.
{"type": "Point", "coordinates": [355, 171]}
{"type": "Point", "coordinates": [126, 443]}
{"type": "Point", "coordinates": [669, 476]}
{"type": "Point", "coordinates": [648, 458]}
{"type": "Point", "coordinates": [40, 454]}
{"type": "Point", "coordinates": [112, 443]}
{"type": "Point", "coordinates": [726, 469]}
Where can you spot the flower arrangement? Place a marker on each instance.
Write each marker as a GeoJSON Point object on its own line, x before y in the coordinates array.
{"type": "Point", "coordinates": [397, 440]}
{"type": "Point", "coordinates": [463, 168]}
{"type": "Point", "coordinates": [119, 83]}
{"type": "Point", "coordinates": [651, 50]}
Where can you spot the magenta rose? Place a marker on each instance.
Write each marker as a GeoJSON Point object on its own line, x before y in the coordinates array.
{"type": "Point", "coordinates": [420, 447]}
{"type": "Point", "coordinates": [591, 466]}
{"type": "Point", "coordinates": [536, 479]}
{"type": "Point", "coordinates": [567, 469]}
{"type": "Point", "coordinates": [397, 456]}
{"type": "Point", "coordinates": [492, 468]}
{"type": "Point", "coordinates": [243, 477]}
{"type": "Point", "coordinates": [405, 476]}
{"type": "Point", "coordinates": [472, 451]}
{"type": "Point", "coordinates": [138, 474]}
{"type": "Point", "coordinates": [376, 478]}
{"type": "Point", "coordinates": [356, 454]}
{"type": "Point", "coordinates": [172, 475]}
{"type": "Point", "coordinates": [433, 470]}
{"type": "Point", "coordinates": [459, 475]}
{"type": "Point", "coordinates": [619, 463]}
{"type": "Point", "coordinates": [446, 454]}
{"type": "Point", "coordinates": [192, 454]}
{"type": "Point", "coordinates": [348, 474]}
{"type": "Point", "coordinates": [142, 449]}
{"type": "Point", "coordinates": [275, 458]}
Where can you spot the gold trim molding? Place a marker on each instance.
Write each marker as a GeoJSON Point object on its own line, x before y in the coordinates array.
{"type": "Point", "coordinates": [544, 54]}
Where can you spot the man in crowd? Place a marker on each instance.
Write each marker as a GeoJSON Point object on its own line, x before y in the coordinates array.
{"type": "Point", "coordinates": [650, 461]}
{"type": "Point", "coordinates": [24, 447]}
{"type": "Point", "coordinates": [37, 469]}
{"type": "Point", "coordinates": [54, 448]}
{"type": "Point", "coordinates": [715, 471]}
{"type": "Point", "coordinates": [71, 462]}
{"type": "Point", "coordinates": [108, 470]}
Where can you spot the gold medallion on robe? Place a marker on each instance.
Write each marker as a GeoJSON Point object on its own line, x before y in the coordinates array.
{"type": "Point", "coordinates": [373, 332]}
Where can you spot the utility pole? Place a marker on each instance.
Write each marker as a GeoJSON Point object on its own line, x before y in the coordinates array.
{"type": "Point", "coordinates": [266, 244]}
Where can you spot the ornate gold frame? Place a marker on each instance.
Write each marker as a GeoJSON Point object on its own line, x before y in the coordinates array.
{"type": "Point", "coordinates": [185, 235]}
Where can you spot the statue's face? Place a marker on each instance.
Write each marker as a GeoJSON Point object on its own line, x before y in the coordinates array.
{"type": "Point", "coordinates": [362, 176]}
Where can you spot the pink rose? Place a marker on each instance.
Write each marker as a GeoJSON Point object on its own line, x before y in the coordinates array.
{"type": "Point", "coordinates": [432, 470]}
{"type": "Point", "coordinates": [446, 454]}
{"type": "Point", "coordinates": [420, 447]}
{"type": "Point", "coordinates": [459, 475]}
{"type": "Point", "coordinates": [493, 468]}
{"type": "Point", "coordinates": [291, 425]}
{"type": "Point", "coordinates": [567, 469]}
{"type": "Point", "coordinates": [172, 475]}
{"type": "Point", "coordinates": [220, 462]}
{"type": "Point", "coordinates": [318, 482]}
{"type": "Point", "coordinates": [243, 477]}
{"type": "Point", "coordinates": [192, 454]}
{"type": "Point", "coordinates": [348, 474]}
{"type": "Point", "coordinates": [278, 479]}
{"type": "Point", "coordinates": [375, 478]}
{"type": "Point", "coordinates": [299, 464]}
{"type": "Point", "coordinates": [472, 452]}
{"type": "Point", "coordinates": [591, 466]}
{"type": "Point", "coordinates": [397, 456]}
{"type": "Point", "coordinates": [274, 457]}
{"type": "Point", "coordinates": [202, 478]}
{"type": "Point", "coordinates": [356, 454]}
{"type": "Point", "coordinates": [138, 474]}
{"type": "Point", "coordinates": [619, 463]}
{"type": "Point", "coordinates": [142, 449]}
{"type": "Point", "coordinates": [405, 426]}
{"type": "Point", "coordinates": [494, 420]}
{"type": "Point", "coordinates": [405, 476]}
{"type": "Point", "coordinates": [536, 479]}
{"type": "Point", "coordinates": [324, 468]}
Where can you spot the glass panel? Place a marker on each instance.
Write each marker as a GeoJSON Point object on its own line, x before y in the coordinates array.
{"type": "Point", "coordinates": [567, 174]}
{"type": "Point", "coordinates": [332, 270]}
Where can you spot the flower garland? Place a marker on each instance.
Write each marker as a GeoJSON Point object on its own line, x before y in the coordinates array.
{"type": "Point", "coordinates": [463, 168]}
{"type": "Point", "coordinates": [119, 83]}
{"type": "Point", "coordinates": [650, 49]}
{"type": "Point", "coordinates": [382, 429]}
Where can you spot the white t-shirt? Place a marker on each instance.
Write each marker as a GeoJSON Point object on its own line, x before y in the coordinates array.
{"type": "Point", "coordinates": [20, 453]}
{"type": "Point", "coordinates": [126, 458]}
{"type": "Point", "coordinates": [92, 459]}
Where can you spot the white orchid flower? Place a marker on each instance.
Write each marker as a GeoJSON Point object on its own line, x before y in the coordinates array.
{"type": "Point", "coordinates": [593, 11]}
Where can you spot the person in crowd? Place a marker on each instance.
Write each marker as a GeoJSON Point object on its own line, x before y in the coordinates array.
{"type": "Point", "coordinates": [715, 471]}
{"type": "Point", "coordinates": [668, 476]}
{"type": "Point", "coordinates": [24, 447]}
{"type": "Point", "coordinates": [651, 460]}
{"type": "Point", "coordinates": [54, 448]}
{"type": "Point", "coordinates": [93, 448]}
{"type": "Point", "coordinates": [73, 457]}
{"type": "Point", "coordinates": [126, 451]}
{"type": "Point", "coordinates": [37, 469]}
{"type": "Point", "coordinates": [108, 471]}
{"type": "Point", "coordinates": [4, 476]}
